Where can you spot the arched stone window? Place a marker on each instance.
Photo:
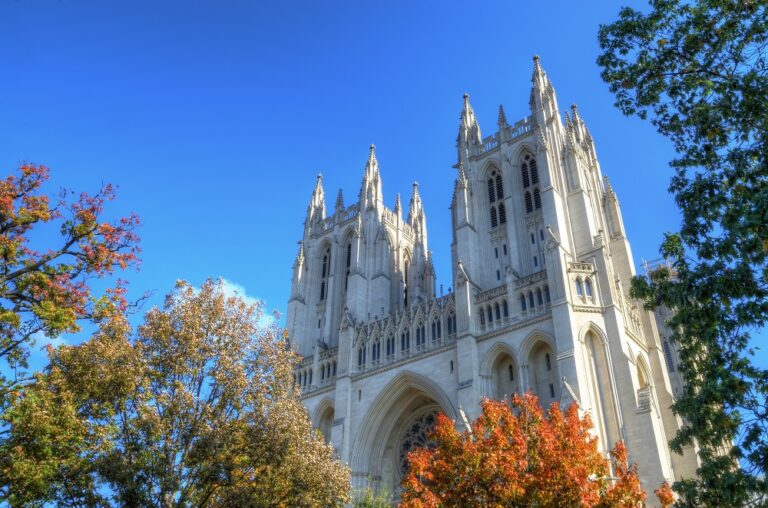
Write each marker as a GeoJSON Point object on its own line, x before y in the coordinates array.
{"type": "Point", "coordinates": [325, 269]}
{"type": "Point", "coordinates": [522, 303]}
{"type": "Point", "coordinates": [588, 287]}
{"type": "Point", "coordinates": [390, 346]}
{"type": "Point", "coordinates": [405, 340]}
{"type": "Point", "coordinates": [415, 436]}
{"type": "Point", "coordinates": [421, 336]}
{"type": "Point", "coordinates": [361, 355]}
{"type": "Point", "coordinates": [437, 331]}
{"type": "Point", "coordinates": [530, 177]}
{"type": "Point", "coordinates": [505, 308]}
{"type": "Point", "coordinates": [497, 308]}
{"type": "Point", "coordinates": [544, 381]}
{"type": "Point", "coordinates": [406, 266]}
{"type": "Point", "coordinates": [451, 321]}
{"type": "Point", "coordinates": [539, 297]}
{"type": "Point", "coordinates": [579, 288]}
{"type": "Point", "coordinates": [375, 351]}
{"type": "Point", "coordinates": [505, 382]}
{"type": "Point", "coordinates": [531, 303]}
{"type": "Point", "coordinates": [347, 264]}
{"type": "Point", "coordinates": [495, 198]}
{"type": "Point", "coordinates": [325, 423]}
{"type": "Point", "coordinates": [668, 356]}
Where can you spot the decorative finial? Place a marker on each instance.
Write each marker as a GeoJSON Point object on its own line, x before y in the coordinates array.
{"type": "Point", "coordinates": [373, 148]}
{"type": "Point", "coordinates": [319, 176]}
{"type": "Point", "coordinates": [536, 58]}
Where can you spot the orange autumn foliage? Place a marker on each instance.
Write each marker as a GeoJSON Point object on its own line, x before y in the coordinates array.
{"type": "Point", "coordinates": [517, 454]}
{"type": "Point", "coordinates": [665, 495]}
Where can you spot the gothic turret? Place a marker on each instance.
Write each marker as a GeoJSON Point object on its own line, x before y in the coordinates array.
{"type": "Point", "coordinates": [370, 189]}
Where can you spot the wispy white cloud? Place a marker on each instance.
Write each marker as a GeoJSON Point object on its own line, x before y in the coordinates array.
{"type": "Point", "coordinates": [234, 289]}
{"type": "Point", "coordinates": [38, 351]}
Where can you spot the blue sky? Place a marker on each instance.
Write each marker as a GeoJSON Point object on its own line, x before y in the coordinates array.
{"type": "Point", "coordinates": [213, 118]}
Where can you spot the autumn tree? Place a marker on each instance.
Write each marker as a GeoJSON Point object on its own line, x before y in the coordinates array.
{"type": "Point", "coordinates": [196, 407]}
{"type": "Point", "coordinates": [517, 454]}
{"type": "Point", "coordinates": [698, 70]}
{"type": "Point", "coordinates": [44, 284]}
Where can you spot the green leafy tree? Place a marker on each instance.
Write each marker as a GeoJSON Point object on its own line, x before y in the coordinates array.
{"type": "Point", "coordinates": [697, 70]}
{"type": "Point", "coordinates": [194, 408]}
{"type": "Point", "coordinates": [44, 285]}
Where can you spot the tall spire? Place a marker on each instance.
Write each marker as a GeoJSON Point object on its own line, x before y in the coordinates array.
{"type": "Point", "coordinates": [370, 189]}
{"type": "Point", "coordinates": [316, 208]}
{"type": "Point", "coordinates": [543, 100]}
{"type": "Point", "coordinates": [415, 207]}
{"type": "Point", "coordinates": [398, 207]}
{"type": "Point", "coordinates": [469, 138]}
{"type": "Point", "coordinates": [416, 218]}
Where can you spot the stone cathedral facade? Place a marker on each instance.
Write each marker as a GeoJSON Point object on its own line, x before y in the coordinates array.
{"type": "Point", "coordinates": [541, 268]}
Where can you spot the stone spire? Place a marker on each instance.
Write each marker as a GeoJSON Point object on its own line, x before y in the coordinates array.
{"type": "Point", "coordinates": [370, 189]}
{"type": "Point", "coordinates": [398, 207]}
{"type": "Point", "coordinates": [502, 117]}
{"type": "Point", "coordinates": [416, 217]}
{"type": "Point", "coordinates": [339, 202]}
{"type": "Point", "coordinates": [542, 91]}
{"type": "Point", "coordinates": [415, 207]}
{"type": "Point", "coordinates": [316, 208]}
{"type": "Point", "coordinates": [470, 137]}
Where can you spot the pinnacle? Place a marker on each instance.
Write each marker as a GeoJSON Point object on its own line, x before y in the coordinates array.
{"type": "Point", "coordinates": [502, 115]}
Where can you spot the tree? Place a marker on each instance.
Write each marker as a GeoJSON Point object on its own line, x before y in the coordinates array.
{"type": "Point", "coordinates": [697, 70]}
{"type": "Point", "coordinates": [45, 292]}
{"type": "Point", "coordinates": [194, 408]}
{"type": "Point", "coordinates": [518, 455]}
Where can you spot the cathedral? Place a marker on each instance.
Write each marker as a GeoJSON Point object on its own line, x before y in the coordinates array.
{"type": "Point", "coordinates": [541, 268]}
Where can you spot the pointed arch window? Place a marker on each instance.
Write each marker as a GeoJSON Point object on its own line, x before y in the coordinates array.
{"type": "Point", "coordinates": [390, 346]}
{"type": "Point", "coordinates": [495, 198]}
{"type": "Point", "coordinates": [451, 321]}
{"type": "Point", "coordinates": [668, 356]}
{"type": "Point", "coordinates": [530, 177]}
{"type": "Point", "coordinates": [324, 272]}
{"type": "Point", "coordinates": [405, 282]}
{"type": "Point", "coordinates": [505, 308]}
{"type": "Point", "coordinates": [579, 288]}
{"type": "Point", "coordinates": [522, 303]}
{"type": "Point", "coordinates": [361, 356]}
{"type": "Point", "coordinates": [348, 264]}
{"type": "Point", "coordinates": [376, 351]}
{"type": "Point", "coordinates": [588, 287]}
{"type": "Point", "coordinates": [437, 332]}
{"type": "Point", "coordinates": [421, 336]}
{"type": "Point", "coordinates": [405, 340]}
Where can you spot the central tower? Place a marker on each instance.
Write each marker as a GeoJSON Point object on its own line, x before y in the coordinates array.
{"type": "Point", "coordinates": [540, 266]}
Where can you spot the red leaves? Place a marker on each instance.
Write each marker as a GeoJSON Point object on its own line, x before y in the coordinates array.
{"type": "Point", "coordinates": [518, 454]}
{"type": "Point", "coordinates": [48, 291]}
{"type": "Point", "coordinates": [664, 493]}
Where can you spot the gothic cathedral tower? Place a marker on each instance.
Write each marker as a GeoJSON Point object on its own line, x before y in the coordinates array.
{"type": "Point", "coordinates": [541, 268]}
